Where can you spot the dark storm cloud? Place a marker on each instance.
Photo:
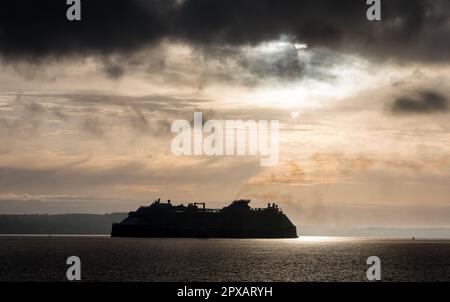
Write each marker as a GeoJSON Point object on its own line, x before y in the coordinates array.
{"type": "Point", "coordinates": [410, 29]}
{"type": "Point", "coordinates": [425, 102]}
{"type": "Point", "coordinates": [30, 29]}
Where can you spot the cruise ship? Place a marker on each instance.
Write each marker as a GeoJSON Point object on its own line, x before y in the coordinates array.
{"type": "Point", "coordinates": [237, 220]}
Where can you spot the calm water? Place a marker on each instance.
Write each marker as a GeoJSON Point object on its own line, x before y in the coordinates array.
{"type": "Point", "coordinates": [304, 259]}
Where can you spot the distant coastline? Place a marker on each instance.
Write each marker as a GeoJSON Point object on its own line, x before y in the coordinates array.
{"type": "Point", "coordinates": [81, 224]}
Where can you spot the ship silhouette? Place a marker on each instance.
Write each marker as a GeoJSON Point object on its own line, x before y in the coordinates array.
{"type": "Point", "coordinates": [237, 220]}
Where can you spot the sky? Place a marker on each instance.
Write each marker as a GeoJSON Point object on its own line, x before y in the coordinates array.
{"type": "Point", "coordinates": [86, 106]}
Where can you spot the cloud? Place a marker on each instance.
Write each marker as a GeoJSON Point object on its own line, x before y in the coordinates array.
{"type": "Point", "coordinates": [35, 29]}
{"type": "Point", "coordinates": [94, 114]}
{"type": "Point", "coordinates": [129, 176]}
{"type": "Point", "coordinates": [29, 117]}
{"type": "Point", "coordinates": [142, 125]}
{"type": "Point", "coordinates": [288, 173]}
{"type": "Point", "coordinates": [93, 126]}
{"type": "Point", "coordinates": [423, 103]}
{"type": "Point", "coordinates": [410, 29]}
{"type": "Point", "coordinates": [279, 59]}
{"type": "Point", "coordinates": [113, 71]}
{"type": "Point", "coordinates": [339, 168]}
{"type": "Point", "coordinates": [25, 116]}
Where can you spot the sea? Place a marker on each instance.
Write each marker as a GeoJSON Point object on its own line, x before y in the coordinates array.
{"type": "Point", "coordinates": [44, 258]}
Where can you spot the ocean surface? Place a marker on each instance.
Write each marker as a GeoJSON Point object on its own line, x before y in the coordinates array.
{"type": "Point", "coordinates": [38, 258]}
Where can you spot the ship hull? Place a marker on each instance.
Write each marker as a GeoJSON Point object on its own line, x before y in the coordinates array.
{"type": "Point", "coordinates": [139, 231]}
